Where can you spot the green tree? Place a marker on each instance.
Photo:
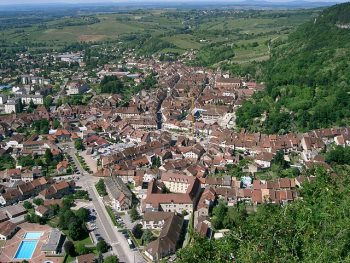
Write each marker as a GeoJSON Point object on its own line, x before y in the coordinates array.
{"type": "Point", "coordinates": [76, 230]}
{"type": "Point", "coordinates": [38, 201]}
{"type": "Point", "coordinates": [27, 205]}
{"type": "Point", "coordinates": [147, 236]}
{"type": "Point", "coordinates": [83, 214]}
{"type": "Point", "coordinates": [78, 144]}
{"type": "Point", "coordinates": [111, 259]}
{"type": "Point", "coordinates": [102, 246]}
{"type": "Point", "coordinates": [134, 214]}
{"type": "Point", "coordinates": [69, 248]}
{"type": "Point", "coordinates": [48, 100]}
{"type": "Point", "coordinates": [137, 231]}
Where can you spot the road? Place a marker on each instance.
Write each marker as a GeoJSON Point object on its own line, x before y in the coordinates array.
{"type": "Point", "coordinates": [106, 228]}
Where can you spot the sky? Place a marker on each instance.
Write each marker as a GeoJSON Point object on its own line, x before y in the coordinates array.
{"type": "Point", "coordinates": [141, 1]}
{"type": "Point", "coordinates": [31, 2]}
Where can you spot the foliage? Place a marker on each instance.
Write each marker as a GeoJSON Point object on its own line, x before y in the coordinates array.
{"type": "Point", "coordinates": [147, 237]}
{"type": "Point", "coordinates": [111, 259]}
{"type": "Point", "coordinates": [112, 84]}
{"type": "Point", "coordinates": [38, 201]}
{"type": "Point", "coordinates": [41, 126]}
{"type": "Point", "coordinates": [81, 249]}
{"type": "Point", "coordinates": [48, 100]}
{"type": "Point", "coordinates": [102, 246]}
{"type": "Point", "coordinates": [27, 205]}
{"type": "Point", "coordinates": [307, 79]}
{"type": "Point", "coordinates": [134, 214]}
{"type": "Point", "coordinates": [339, 155]}
{"type": "Point", "coordinates": [78, 144]}
{"type": "Point", "coordinates": [69, 248]}
{"type": "Point", "coordinates": [137, 231]}
{"type": "Point", "coordinates": [83, 214]}
{"type": "Point", "coordinates": [6, 162]}
{"type": "Point", "coordinates": [307, 230]}
{"type": "Point", "coordinates": [101, 188]}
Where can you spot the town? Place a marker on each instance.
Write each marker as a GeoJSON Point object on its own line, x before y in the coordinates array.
{"type": "Point", "coordinates": [91, 170]}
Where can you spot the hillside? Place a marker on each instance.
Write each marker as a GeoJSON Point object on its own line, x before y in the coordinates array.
{"type": "Point", "coordinates": [307, 78]}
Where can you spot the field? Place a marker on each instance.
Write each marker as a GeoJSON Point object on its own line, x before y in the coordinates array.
{"type": "Point", "coordinates": [247, 32]}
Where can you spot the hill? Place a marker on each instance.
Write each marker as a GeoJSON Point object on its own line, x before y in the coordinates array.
{"type": "Point", "coordinates": [307, 78]}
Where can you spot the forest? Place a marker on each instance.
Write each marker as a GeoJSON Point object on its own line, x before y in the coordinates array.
{"type": "Point", "coordinates": [307, 79]}
{"type": "Point", "coordinates": [315, 228]}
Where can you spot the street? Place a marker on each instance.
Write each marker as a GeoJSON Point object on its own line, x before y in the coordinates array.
{"type": "Point", "coordinates": [106, 228]}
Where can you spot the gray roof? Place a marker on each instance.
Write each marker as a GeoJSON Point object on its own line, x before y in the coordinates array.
{"type": "Point", "coordinates": [54, 241]}
{"type": "Point", "coordinates": [115, 186]}
{"type": "Point", "coordinates": [14, 210]}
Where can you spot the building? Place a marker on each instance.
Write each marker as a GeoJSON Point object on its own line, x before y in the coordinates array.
{"type": "Point", "coordinates": [168, 240]}
{"type": "Point", "coordinates": [156, 200]}
{"type": "Point", "coordinates": [88, 258]}
{"type": "Point", "coordinates": [155, 220]}
{"type": "Point", "coordinates": [76, 87]}
{"type": "Point", "coordinates": [7, 230]}
{"type": "Point", "coordinates": [54, 243]}
{"type": "Point", "coordinates": [12, 106]}
{"type": "Point", "coordinates": [177, 183]}
{"type": "Point", "coordinates": [119, 193]}
{"type": "Point", "coordinates": [26, 99]}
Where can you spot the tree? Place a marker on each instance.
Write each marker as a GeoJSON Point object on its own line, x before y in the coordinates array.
{"type": "Point", "coordinates": [56, 124]}
{"type": "Point", "coordinates": [219, 213]}
{"type": "Point", "coordinates": [78, 144]}
{"type": "Point", "coordinates": [134, 214]}
{"type": "Point", "coordinates": [83, 214]}
{"type": "Point", "coordinates": [101, 188]}
{"type": "Point", "coordinates": [27, 205]}
{"type": "Point", "coordinates": [38, 201]}
{"type": "Point", "coordinates": [147, 237]}
{"type": "Point", "coordinates": [69, 248]}
{"type": "Point", "coordinates": [137, 231]}
{"type": "Point", "coordinates": [278, 160]}
{"type": "Point", "coordinates": [102, 246]}
{"type": "Point", "coordinates": [48, 156]}
{"type": "Point", "coordinates": [76, 230]}
{"type": "Point", "coordinates": [111, 259]}
{"type": "Point", "coordinates": [31, 106]}
{"type": "Point", "coordinates": [48, 102]}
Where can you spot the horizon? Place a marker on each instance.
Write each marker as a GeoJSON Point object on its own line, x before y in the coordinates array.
{"type": "Point", "coordinates": [143, 2]}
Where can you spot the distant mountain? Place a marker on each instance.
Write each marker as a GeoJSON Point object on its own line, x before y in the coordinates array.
{"type": "Point", "coordinates": [308, 78]}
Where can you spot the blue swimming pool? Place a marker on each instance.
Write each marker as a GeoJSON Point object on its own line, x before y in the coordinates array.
{"type": "Point", "coordinates": [26, 249]}
{"type": "Point", "coordinates": [32, 235]}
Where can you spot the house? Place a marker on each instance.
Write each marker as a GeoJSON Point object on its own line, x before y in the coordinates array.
{"type": "Point", "coordinates": [56, 190]}
{"type": "Point", "coordinates": [15, 210]}
{"type": "Point", "coordinates": [264, 159]}
{"type": "Point", "coordinates": [62, 167]}
{"type": "Point", "coordinates": [171, 202]}
{"type": "Point", "coordinates": [76, 87]}
{"type": "Point", "coordinates": [53, 245]}
{"type": "Point", "coordinates": [119, 193]}
{"type": "Point", "coordinates": [62, 135]}
{"type": "Point", "coordinates": [155, 220]}
{"type": "Point", "coordinates": [88, 258]}
{"type": "Point", "coordinates": [175, 182]}
{"type": "Point", "coordinates": [43, 211]}
{"type": "Point", "coordinates": [12, 106]}
{"type": "Point", "coordinates": [7, 230]}
{"type": "Point", "coordinates": [167, 242]}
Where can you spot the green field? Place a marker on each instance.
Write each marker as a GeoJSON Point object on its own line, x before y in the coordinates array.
{"type": "Point", "coordinates": [248, 32]}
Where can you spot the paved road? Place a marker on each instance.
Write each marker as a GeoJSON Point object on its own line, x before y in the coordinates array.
{"type": "Point", "coordinates": [104, 223]}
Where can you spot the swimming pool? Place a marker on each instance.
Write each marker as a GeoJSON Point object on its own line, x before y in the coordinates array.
{"type": "Point", "coordinates": [26, 249]}
{"type": "Point", "coordinates": [32, 235]}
